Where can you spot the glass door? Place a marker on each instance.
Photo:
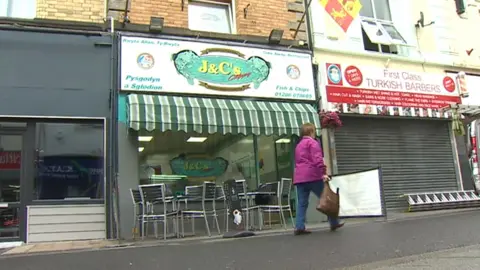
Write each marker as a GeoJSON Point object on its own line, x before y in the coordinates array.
{"type": "Point", "coordinates": [11, 145]}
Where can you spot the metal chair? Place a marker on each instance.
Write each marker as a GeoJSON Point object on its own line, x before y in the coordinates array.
{"type": "Point", "coordinates": [138, 210]}
{"type": "Point", "coordinates": [153, 195]}
{"type": "Point", "coordinates": [247, 206]}
{"type": "Point", "coordinates": [283, 195]}
{"type": "Point", "coordinates": [208, 190]}
{"type": "Point", "coordinates": [220, 194]}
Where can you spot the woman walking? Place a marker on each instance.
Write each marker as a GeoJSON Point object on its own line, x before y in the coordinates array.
{"type": "Point", "coordinates": [309, 176]}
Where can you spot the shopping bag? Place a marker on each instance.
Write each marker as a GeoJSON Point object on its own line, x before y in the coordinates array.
{"type": "Point", "coordinates": [329, 202]}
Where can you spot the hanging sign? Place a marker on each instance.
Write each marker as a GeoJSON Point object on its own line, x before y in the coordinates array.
{"type": "Point", "coordinates": [343, 12]}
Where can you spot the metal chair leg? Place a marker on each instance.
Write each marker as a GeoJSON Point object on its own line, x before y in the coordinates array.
{"type": "Point", "coordinates": [165, 227]}
{"type": "Point", "coordinates": [206, 223]}
{"type": "Point", "coordinates": [216, 222]}
{"type": "Point", "coordinates": [282, 217]}
{"type": "Point", "coordinates": [291, 216]}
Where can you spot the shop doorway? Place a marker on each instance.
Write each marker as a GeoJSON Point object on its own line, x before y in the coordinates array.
{"type": "Point", "coordinates": [11, 179]}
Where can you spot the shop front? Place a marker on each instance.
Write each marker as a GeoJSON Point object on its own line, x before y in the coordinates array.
{"type": "Point", "coordinates": [468, 84]}
{"type": "Point", "coordinates": [53, 114]}
{"type": "Point", "coordinates": [202, 111]}
{"type": "Point", "coordinates": [392, 118]}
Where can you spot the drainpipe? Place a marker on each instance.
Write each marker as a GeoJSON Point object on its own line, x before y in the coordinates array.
{"type": "Point", "coordinates": [113, 149]}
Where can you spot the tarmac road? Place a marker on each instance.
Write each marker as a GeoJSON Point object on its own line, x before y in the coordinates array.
{"type": "Point", "coordinates": [352, 245]}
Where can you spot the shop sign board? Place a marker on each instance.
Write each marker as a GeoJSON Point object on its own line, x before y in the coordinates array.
{"type": "Point", "coordinates": [187, 67]}
{"type": "Point", "coordinates": [382, 91]}
{"type": "Point", "coordinates": [10, 160]}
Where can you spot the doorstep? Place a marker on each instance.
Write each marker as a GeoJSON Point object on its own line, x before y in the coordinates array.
{"type": "Point", "coordinates": [60, 246]}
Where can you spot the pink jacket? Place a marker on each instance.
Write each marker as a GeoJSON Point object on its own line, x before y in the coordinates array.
{"type": "Point", "coordinates": [309, 165]}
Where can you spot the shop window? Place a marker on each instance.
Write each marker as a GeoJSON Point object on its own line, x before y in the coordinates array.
{"type": "Point", "coordinates": [378, 31]}
{"type": "Point", "coordinates": [69, 161]}
{"type": "Point", "coordinates": [199, 157]}
{"type": "Point", "coordinates": [213, 157]}
{"type": "Point", "coordinates": [211, 16]}
{"type": "Point", "coordinates": [25, 9]}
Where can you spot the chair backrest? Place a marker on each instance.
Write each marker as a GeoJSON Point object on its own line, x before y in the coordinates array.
{"type": "Point", "coordinates": [219, 193]}
{"type": "Point", "coordinates": [285, 188]}
{"type": "Point", "coordinates": [152, 193]}
{"type": "Point", "coordinates": [136, 197]}
{"type": "Point", "coordinates": [194, 191]}
{"type": "Point", "coordinates": [241, 186]}
{"type": "Point", "coordinates": [209, 190]}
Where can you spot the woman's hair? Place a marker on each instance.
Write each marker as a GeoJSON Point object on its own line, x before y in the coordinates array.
{"type": "Point", "coordinates": [307, 129]}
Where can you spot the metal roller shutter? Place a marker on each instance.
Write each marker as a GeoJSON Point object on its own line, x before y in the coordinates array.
{"type": "Point", "coordinates": [415, 155]}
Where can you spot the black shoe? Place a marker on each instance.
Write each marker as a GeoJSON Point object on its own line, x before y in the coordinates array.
{"type": "Point", "coordinates": [301, 232]}
{"type": "Point", "coordinates": [338, 226]}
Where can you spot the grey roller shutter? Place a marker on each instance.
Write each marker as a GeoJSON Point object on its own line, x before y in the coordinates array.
{"type": "Point", "coordinates": [415, 155]}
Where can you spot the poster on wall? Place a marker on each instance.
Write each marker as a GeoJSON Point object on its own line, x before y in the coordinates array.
{"type": "Point", "coordinates": [381, 91]}
{"type": "Point", "coordinates": [360, 193]}
{"type": "Point", "coordinates": [185, 67]}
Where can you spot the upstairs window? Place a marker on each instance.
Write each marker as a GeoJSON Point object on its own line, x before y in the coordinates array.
{"type": "Point", "coordinates": [378, 31]}
{"type": "Point", "coordinates": [24, 9]}
{"type": "Point", "coordinates": [211, 16]}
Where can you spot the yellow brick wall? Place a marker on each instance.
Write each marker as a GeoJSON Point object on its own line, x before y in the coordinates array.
{"type": "Point", "coordinates": [71, 10]}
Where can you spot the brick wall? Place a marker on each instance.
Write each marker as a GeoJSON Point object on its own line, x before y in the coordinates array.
{"type": "Point", "coordinates": [72, 10]}
{"type": "Point", "coordinates": [261, 15]}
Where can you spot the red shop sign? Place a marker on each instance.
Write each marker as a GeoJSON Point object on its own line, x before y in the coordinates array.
{"type": "Point", "coordinates": [10, 160]}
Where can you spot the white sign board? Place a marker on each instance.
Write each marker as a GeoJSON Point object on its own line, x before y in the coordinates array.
{"type": "Point", "coordinates": [186, 67]}
{"type": "Point", "coordinates": [360, 193]}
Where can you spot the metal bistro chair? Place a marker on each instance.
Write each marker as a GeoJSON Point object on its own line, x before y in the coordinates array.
{"type": "Point", "coordinates": [208, 190]}
{"type": "Point", "coordinates": [220, 194]}
{"type": "Point", "coordinates": [283, 195]}
{"type": "Point", "coordinates": [245, 200]}
{"type": "Point", "coordinates": [153, 195]}
{"type": "Point", "coordinates": [138, 210]}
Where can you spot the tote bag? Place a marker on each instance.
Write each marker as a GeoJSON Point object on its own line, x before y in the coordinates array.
{"type": "Point", "coordinates": [329, 202]}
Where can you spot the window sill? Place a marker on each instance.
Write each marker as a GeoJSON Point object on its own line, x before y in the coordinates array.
{"type": "Point", "coordinates": [67, 202]}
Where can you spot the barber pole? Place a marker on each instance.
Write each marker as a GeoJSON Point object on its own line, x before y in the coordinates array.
{"type": "Point", "coordinates": [462, 84]}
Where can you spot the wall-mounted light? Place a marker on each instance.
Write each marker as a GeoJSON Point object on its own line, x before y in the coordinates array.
{"type": "Point", "coordinates": [140, 149]}
{"type": "Point", "coordinates": [156, 24]}
{"type": "Point", "coordinates": [275, 36]}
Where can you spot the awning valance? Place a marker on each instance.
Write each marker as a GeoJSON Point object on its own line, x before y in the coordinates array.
{"type": "Point", "coordinates": [209, 115]}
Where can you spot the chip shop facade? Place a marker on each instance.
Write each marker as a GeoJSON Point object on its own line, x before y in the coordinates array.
{"type": "Point", "coordinates": [208, 110]}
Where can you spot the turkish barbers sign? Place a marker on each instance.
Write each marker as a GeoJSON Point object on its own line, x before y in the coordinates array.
{"type": "Point", "coordinates": [170, 66]}
{"type": "Point", "coordinates": [376, 90]}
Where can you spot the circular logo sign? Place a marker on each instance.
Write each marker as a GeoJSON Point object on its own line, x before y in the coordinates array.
{"type": "Point", "coordinates": [449, 84]}
{"type": "Point", "coordinates": [293, 72]}
{"type": "Point", "coordinates": [353, 76]}
{"type": "Point", "coordinates": [145, 61]}
{"type": "Point", "coordinates": [334, 74]}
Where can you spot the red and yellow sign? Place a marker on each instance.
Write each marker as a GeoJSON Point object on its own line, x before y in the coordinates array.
{"type": "Point", "coordinates": [342, 11]}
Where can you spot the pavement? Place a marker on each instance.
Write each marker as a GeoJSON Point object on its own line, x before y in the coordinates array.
{"type": "Point", "coordinates": [458, 258]}
{"type": "Point", "coordinates": [66, 246]}
{"type": "Point", "coordinates": [452, 238]}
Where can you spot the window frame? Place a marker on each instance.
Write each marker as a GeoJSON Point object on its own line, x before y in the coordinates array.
{"type": "Point", "coordinates": [230, 4]}
{"type": "Point", "coordinates": [79, 121]}
{"type": "Point", "coordinates": [380, 26]}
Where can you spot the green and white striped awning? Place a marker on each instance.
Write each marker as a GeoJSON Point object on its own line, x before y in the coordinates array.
{"type": "Point", "coordinates": [209, 115]}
